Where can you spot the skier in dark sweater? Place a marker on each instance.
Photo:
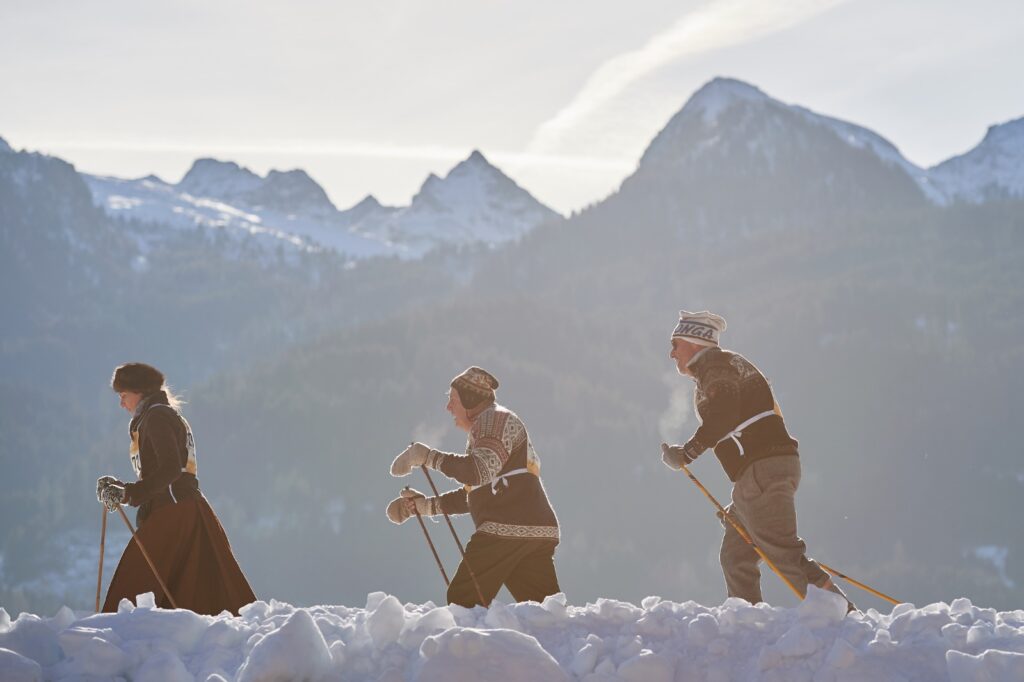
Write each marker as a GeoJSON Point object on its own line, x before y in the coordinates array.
{"type": "Point", "coordinates": [176, 525]}
{"type": "Point", "coordinates": [516, 528]}
{"type": "Point", "coordinates": [741, 421]}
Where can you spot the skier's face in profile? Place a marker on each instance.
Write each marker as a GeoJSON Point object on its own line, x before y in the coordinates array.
{"type": "Point", "coordinates": [130, 400]}
{"type": "Point", "coordinates": [460, 413]}
{"type": "Point", "coordinates": [682, 352]}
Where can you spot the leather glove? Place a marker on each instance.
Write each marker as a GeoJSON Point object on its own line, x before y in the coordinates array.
{"type": "Point", "coordinates": [112, 496]}
{"type": "Point", "coordinates": [398, 510]}
{"type": "Point", "coordinates": [413, 456]}
{"type": "Point", "coordinates": [102, 482]}
{"type": "Point", "coordinates": [675, 456]}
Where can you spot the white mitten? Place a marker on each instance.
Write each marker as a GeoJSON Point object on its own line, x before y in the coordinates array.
{"type": "Point", "coordinates": [413, 456]}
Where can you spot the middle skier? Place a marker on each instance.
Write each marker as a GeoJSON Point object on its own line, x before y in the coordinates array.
{"type": "Point", "coordinates": [516, 528]}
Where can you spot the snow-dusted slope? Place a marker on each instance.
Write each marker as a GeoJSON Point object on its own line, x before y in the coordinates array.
{"type": "Point", "coordinates": [4, 147]}
{"type": "Point", "coordinates": [225, 180]}
{"type": "Point", "coordinates": [608, 641]}
{"type": "Point", "coordinates": [726, 102]}
{"type": "Point", "coordinates": [993, 169]}
{"type": "Point", "coordinates": [154, 201]}
{"type": "Point", "coordinates": [475, 204]}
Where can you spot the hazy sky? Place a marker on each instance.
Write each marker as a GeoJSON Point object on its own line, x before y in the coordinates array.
{"type": "Point", "coordinates": [370, 97]}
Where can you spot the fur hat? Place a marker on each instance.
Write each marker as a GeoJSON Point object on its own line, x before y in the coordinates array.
{"type": "Point", "coordinates": [137, 377]}
{"type": "Point", "coordinates": [702, 328]}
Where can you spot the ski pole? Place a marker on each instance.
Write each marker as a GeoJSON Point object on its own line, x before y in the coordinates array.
{"type": "Point", "coordinates": [145, 555]}
{"type": "Point", "coordinates": [462, 551]}
{"type": "Point", "coordinates": [743, 533]}
{"type": "Point", "coordinates": [430, 542]}
{"type": "Point", "coordinates": [103, 542]}
{"type": "Point", "coordinates": [866, 588]}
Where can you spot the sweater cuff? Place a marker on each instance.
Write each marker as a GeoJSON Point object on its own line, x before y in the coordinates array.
{"type": "Point", "coordinates": [435, 458]}
{"type": "Point", "coordinates": [693, 449]}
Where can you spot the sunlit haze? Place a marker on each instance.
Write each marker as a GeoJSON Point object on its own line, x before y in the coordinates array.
{"type": "Point", "coordinates": [371, 97]}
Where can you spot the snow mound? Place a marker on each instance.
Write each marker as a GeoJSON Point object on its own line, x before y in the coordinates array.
{"type": "Point", "coordinates": [610, 640]}
{"type": "Point", "coordinates": [472, 655]}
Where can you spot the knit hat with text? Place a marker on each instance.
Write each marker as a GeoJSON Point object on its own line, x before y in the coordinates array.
{"type": "Point", "coordinates": [702, 328]}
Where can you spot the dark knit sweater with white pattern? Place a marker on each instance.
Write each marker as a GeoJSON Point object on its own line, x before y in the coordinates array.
{"type": "Point", "coordinates": [512, 507]}
{"type": "Point", "coordinates": [729, 391]}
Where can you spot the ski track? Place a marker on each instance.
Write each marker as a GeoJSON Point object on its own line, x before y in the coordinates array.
{"type": "Point", "coordinates": [658, 641]}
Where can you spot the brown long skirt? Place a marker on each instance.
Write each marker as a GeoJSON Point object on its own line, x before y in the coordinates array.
{"type": "Point", "coordinates": [191, 551]}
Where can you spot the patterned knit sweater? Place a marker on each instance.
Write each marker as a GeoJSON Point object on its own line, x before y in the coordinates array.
{"type": "Point", "coordinates": [515, 506]}
{"type": "Point", "coordinates": [730, 390]}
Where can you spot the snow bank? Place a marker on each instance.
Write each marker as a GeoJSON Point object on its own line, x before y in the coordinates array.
{"type": "Point", "coordinates": [658, 641]}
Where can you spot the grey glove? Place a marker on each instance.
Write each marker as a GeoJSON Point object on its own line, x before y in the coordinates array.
{"type": "Point", "coordinates": [417, 454]}
{"type": "Point", "coordinates": [102, 482]}
{"type": "Point", "coordinates": [112, 496]}
{"type": "Point", "coordinates": [676, 456]}
{"type": "Point", "coordinates": [398, 509]}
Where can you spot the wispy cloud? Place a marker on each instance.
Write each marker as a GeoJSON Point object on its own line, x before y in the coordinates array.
{"type": "Point", "coordinates": [718, 24]}
{"type": "Point", "coordinates": [335, 148]}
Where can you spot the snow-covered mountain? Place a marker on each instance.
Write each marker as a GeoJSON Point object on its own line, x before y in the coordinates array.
{"type": "Point", "coordinates": [992, 170]}
{"type": "Point", "coordinates": [707, 125]}
{"type": "Point", "coordinates": [4, 147]}
{"type": "Point", "coordinates": [290, 192]}
{"type": "Point", "coordinates": [732, 128]}
{"type": "Point", "coordinates": [162, 205]}
{"type": "Point", "coordinates": [474, 204]}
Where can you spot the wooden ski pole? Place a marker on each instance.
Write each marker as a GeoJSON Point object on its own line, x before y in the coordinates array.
{"type": "Point", "coordinates": [103, 546]}
{"type": "Point", "coordinates": [430, 542]}
{"type": "Point", "coordinates": [739, 529]}
{"type": "Point", "coordinates": [462, 551]}
{"type": "Point", "coordinates": [145, 555]}
{"type": "Point", "coordinates": [866, 588]}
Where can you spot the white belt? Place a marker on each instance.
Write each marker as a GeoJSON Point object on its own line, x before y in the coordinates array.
{"type": "Point", "coordinates": [503, 479]}
{"type": "Point", "coordinates": [738, 431]}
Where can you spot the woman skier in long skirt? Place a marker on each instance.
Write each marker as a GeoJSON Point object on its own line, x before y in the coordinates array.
{"type": "Point", "coordinates": [176, 525]}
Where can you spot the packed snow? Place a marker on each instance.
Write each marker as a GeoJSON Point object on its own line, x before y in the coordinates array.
{"type": "Point", "coordinates": [657, 641]}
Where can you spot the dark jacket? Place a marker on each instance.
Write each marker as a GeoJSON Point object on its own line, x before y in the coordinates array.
{"type": "Point", "coordinates": [163, 456]}
{"type": "Point", "coordinates": [730, 390]}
